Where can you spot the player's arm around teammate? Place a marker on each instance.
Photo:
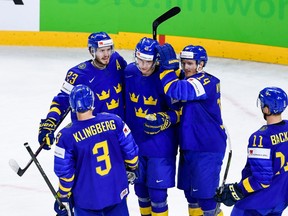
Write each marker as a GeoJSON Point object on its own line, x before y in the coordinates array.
{"type": "Point", "coordinates": [202, 135]}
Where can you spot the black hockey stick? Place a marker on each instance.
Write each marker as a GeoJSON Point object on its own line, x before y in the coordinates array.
{"type": "Point", "coordinates": [44, 175]}
{"type": "Point", "coordinates": [18, 2]}
{"type": "Point", "coordinates": [167, 15]}
{"type": "Point", "coordinates": [225, 173]}
{"type": "Point", "coordinates": [15, 166]}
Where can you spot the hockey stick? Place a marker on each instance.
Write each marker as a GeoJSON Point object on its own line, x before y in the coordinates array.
{"type": "Point", "coordinates": [18, 2]}
{"type": "Point", "coordinates": [226, 171]}
{"type": "Point", "coordinates": [15, 166]}
{"type": "Point", "coordinates": [167, 15]}
{"type": "Point", "coordinates": [35, 160]}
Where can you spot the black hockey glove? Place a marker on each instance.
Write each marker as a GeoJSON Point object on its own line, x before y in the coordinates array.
{"type": "Point", "coordinates": [168, 59]}
{"type": "Point", "coordinates": [46, 132]}
{"type": "Point", "coordinates": [230, 195]}
{"type": "Point", "coordinates": [156, 122]}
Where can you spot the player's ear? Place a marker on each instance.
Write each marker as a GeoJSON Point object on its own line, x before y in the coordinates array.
{"type": "Point", "coordinates": [201, 65]}
{"type": "Point", "coordinates": [91, 50]}
{"type": "Point", "coordinates": [266, 110]}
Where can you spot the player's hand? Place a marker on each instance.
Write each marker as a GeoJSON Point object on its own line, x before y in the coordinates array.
{"type": "Point", "coordinates": [230, 195]}
{"type": "Point", "coordinates": [156, 122]}
{"type": "Point", "coordinates": [132, 174]}
{"type": "Point", "coordinates": [46, 132]}
{"type": "Point", "coordinates": [168, 59]}
{"type": "Point", "coordinates": [68, 204]}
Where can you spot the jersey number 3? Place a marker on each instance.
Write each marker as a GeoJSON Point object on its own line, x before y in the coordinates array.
{"type": "Point", "coordinates": [103, 146]}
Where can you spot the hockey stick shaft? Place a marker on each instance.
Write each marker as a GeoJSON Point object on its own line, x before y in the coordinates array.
{"type": "Point", "coordinates": [35, 160]}
{"type": "Point", "coordinates": [21, 171]}
{"type": "Point", "coordinates": [226, 170]}
{"type": "Point", "coordinates": [167, 15]}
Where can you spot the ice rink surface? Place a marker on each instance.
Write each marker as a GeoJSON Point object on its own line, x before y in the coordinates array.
{"type": "Point", "coordinates": [31, 76]}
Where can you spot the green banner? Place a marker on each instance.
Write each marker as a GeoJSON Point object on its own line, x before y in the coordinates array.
{"type": "Point", "coordinates": [249, 21]}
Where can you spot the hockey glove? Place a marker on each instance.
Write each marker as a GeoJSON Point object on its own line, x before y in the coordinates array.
{"type": "Point", "coordinates": [230, 195]}
{"type": "Point", "coordinates": [168, 59]}
{"type": "Point", "coordinates": [131, 174]}
{"type": "Point", "coordinates": [156, 122]}
{"type": "Point", "coordinates": [67, 202]}
{"type": "Point", "coordinates": [46, 132]}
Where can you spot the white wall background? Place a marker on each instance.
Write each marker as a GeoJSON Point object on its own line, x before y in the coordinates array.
{"type": "Point", "coordinates": [20, 17]}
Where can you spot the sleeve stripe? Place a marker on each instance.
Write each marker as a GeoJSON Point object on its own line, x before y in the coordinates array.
{"type": "Point", "coordinates": [68, 179]}
{"type": "Point", "coordinates": [167, 86]}
{"type": "Point", "coordinates": [164, 73]}
{"type": "Point", "coordinates": [55, 109]}
{"type": "Point", "coordinates": [133, 161]}
{"type": "Point", "coordinates": [247, 186]}
{"type": "Point", "coordinates": [54, 103]}
{"type": "Point", "coordinates": [64, 188]}
{"type": "Point", "coordinates": [265, 185]}
{"type": "Point", "coordinates": [178, 113]}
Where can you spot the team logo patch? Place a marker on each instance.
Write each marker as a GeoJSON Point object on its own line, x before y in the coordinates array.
{"type": "Point", "coordinates": [260, 153]}
{"type": "Point", "coordinates": [82, 66]}
{"type": "Point", "coordinates": [263, 128]}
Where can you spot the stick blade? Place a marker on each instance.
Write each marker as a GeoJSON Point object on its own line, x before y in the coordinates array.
{"type": "Point", "coordinates": [15, 166]}
{"type": "Point", "coordinates": [18, 2]}
{"type": "Point", "coordinates": [167, 15]}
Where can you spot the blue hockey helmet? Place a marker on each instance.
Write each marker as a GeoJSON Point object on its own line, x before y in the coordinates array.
{"type": "Point", "coordinates": [81, 98]}
{"type": "Point", "coordinates": [100, 39]}
{"type": "Point", "coordinates": [146, 49]}
{"type": "Point", "coordinates": [197, 53]}
{"type": "Point", "coordinates": [274, 98]}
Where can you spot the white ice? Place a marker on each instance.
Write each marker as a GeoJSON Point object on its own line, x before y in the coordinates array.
{"type": "Point", "coordinates": [31, 76]}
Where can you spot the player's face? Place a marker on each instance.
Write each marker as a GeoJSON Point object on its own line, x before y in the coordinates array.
{"type": "Point", "coordinates": [189, 67]}
{"type": "Point", "coordinates": [103, 55]}
{"type": "Point", "coordinates": [146, 67]}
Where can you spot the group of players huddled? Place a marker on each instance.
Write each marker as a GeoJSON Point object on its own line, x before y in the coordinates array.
{"type": "Point", "coordinates": [128, 122]}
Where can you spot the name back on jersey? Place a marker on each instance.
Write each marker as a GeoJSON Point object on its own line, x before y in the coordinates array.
{"type": "Point", "coordinates": [94, 129]}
